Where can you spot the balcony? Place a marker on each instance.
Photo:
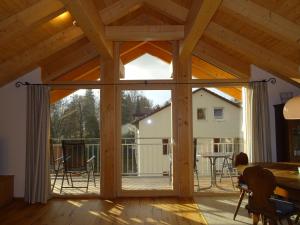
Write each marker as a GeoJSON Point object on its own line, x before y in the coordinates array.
{"type": "Point", "coordinates": [147, 164]}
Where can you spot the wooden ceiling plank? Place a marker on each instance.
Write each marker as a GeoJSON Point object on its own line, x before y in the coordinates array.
{"type": "Point", "coordinates": [118, 10]}
{"type": "Point", "coordinates": [15, 67]}
{"type": "Point", "coordinates": [199, 17]}
{"type": "Point", "coordinates": [222, 60]}
{"type": "Point", "coordinates": [254, 52]}
{"type": "Point", "coordinates": [80, 71]}
{"type": "Point", "coordinates": [169, 8]}
{"type": "Point", "coordinates": [87, 17]}
{"type": "Point", "coordinates": [268, 21]}
{"type": "Point", "coordinates": [29, 18]}
{"type": "Point", "coordinates": [79, 56]}
{"type": "Point", "coordinates": [144, 33]}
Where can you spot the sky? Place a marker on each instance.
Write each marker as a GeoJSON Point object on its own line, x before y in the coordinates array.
{"type": "Point", "coordinates": [148, 67]}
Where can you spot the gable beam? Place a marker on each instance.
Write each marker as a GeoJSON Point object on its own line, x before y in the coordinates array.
{"type": "Point", "coordinates": [144, 33]}
{"type": "Point", "coordinates": [264, 19]}
{"type": "Point", "coordinates": [87, 17]}
{"type": "Point", "coordinates": [213, 56]}
{"type": "Point", "coordinates": [70, 57]}
{"type": "Point", "coordinates": [119, 9]}
{"type": "Point", "coordinates": [199, 17]}
{"type": "Point", "coordinates": [82, 58]}
{"type": "Point", "coordinates": [222, 60]}
{"type": "Point", "coordinates": [29, 18]}
{"type": "Point", "coordinates": [15, 67]}
{"type": "Point", "coordinates": [255, 53]}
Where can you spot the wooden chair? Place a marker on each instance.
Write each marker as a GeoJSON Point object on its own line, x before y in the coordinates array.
{"type": "Point", "coordinates": [241, 159]}
{"type": "Point", "coordinates": [76, 162]}
{"type": "Point", "coordinates": [262, 184]}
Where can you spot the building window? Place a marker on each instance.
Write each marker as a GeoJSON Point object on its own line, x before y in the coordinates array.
{"type": "Point", "coordinates": [201, 114]}
{"type": "Point", "coordinates": [217, 144]}
{"type": "Point", "coordinates": [165, 143]}
{"type": "Point", "coordinates": [219, 113]}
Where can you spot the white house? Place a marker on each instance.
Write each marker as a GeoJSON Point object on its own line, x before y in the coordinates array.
{"type": "Point", "coordinates": [216, 127]}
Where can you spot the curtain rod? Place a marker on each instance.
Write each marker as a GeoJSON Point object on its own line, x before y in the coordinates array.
{"type": "Point", "coordinates": [271, 80]}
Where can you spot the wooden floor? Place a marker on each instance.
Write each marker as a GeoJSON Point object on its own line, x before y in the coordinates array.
{"type": "Point", "coordinates": [167, 211]}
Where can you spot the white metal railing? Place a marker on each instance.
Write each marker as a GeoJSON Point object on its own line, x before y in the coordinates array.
{"type": "Point", "coordinates": [154, 156]}
{"type": "Point", "coordinates": [146, 156]}
{"type": "Point", "coordinates": [210, 145]}
{"type": "Point", "coordinates": [140, 156]}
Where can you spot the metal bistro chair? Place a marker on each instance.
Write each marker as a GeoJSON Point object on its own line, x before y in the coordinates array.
{"type": "Point", "coordinates": [228, 164]}
{"type": "Point", "coordinates": [75, 162]}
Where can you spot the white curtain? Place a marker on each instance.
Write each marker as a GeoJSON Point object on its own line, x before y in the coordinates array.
{"type": "Point", "coordinates": [257, 123]}
{"type": "Point", "coordinates": [37, 180]}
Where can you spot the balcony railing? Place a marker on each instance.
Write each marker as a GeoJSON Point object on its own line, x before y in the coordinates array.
{"type": "Point", "coordinates": [146, 157]}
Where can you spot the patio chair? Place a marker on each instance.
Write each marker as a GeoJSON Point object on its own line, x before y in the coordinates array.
{"type": "Point", "coordinates": [75, 162]}
{"type": "Point", "coordinates": [262, 184]}
{"type": "Point", "coordinates": [55, 165]}
{"type": "Point", "coordinates": [228, 165]}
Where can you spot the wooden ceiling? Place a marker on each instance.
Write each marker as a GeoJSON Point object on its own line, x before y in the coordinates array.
{"type": "Point", "coordinates": [67, 38]}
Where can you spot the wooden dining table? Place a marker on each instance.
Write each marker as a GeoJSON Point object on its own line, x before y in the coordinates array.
{"type": "Point", "coordinates": [287, 178]}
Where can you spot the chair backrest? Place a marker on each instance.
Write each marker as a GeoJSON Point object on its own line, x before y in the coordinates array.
{"type": "Point", "coordinates": [262, 183]}
{"type": "Point", "coordinates": [241, 159]}
{"type": "Point", "coordinates": [74, 155]}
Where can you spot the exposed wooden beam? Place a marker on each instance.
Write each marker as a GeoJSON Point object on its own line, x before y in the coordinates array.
{"type": "Point", "coordinates": [70, 57]}
{"type": "Point", "coordinates": [132, 55]}
{"type": "Point", "coordinates": [199, 17]}
{"type": "Point", "coordinates": [144, 33]}
{"type": "Point", "coordinates": [126, 47]}
{"type": "Point", "coordinates": [213, 56]}
{"type": "Point", "coordinates": [169, 8]}
{"type": "Point", "coordinates": [87, 17]}
{"type": "Point", "coordinates": [222, 60]}
{"type": "Point", "coordinates": [119, 9]}
{"type": "Point", "coordinates": [210, 69]}
{"type": "Point", "coordinates": [56, 95]}
{"type": "Point", "coordinates": [29, 18]}
{"type": "Point", "coordinates": [264, 19]}
{"type": "Point", "coordinates": [80, 71]}
{"type": "Point", "coordinates": [152, 50]}
{"type": "Point", "coordinates": [30, 58]}
{"type": "Point", "coordinates": [254, 52]}
{"type": "Point", "coordinates": [80, 54]}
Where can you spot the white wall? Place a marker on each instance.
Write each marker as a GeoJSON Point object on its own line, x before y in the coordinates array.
{"type": "Point", "coordinates": [150, 151]}
{"type": "Point", "coordinates": [13, 130]}
{"type": "Point", "coordinates": [229, 127]}
{"type": "Point", "coordinates": [274, 98]}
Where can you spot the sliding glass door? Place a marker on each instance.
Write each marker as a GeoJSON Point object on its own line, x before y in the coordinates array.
{"type": "Point", "coordinates": [75, 142]}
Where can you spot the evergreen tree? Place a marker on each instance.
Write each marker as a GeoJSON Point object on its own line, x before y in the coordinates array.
{"type": "Point", "coordinates": [91, 123]}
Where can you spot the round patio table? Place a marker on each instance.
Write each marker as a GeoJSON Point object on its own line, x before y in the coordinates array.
{"type": "Point", "coordinates": [212, 157]}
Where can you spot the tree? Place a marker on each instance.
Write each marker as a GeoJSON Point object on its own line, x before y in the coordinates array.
{"type": "Point", "coordinates": [72, 119]}
{"type": "Point", "coordinates": [134, 105]}
{"type": "Point", "coordinates": [91, 123]}
{"type": "Point", "coordinates": [56, 113]}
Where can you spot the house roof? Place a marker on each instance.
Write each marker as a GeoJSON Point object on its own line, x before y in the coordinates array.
{"type": "Point", "coordinates": [225, 37]}
{"type": "Point", "coordinates": [194, 92]}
